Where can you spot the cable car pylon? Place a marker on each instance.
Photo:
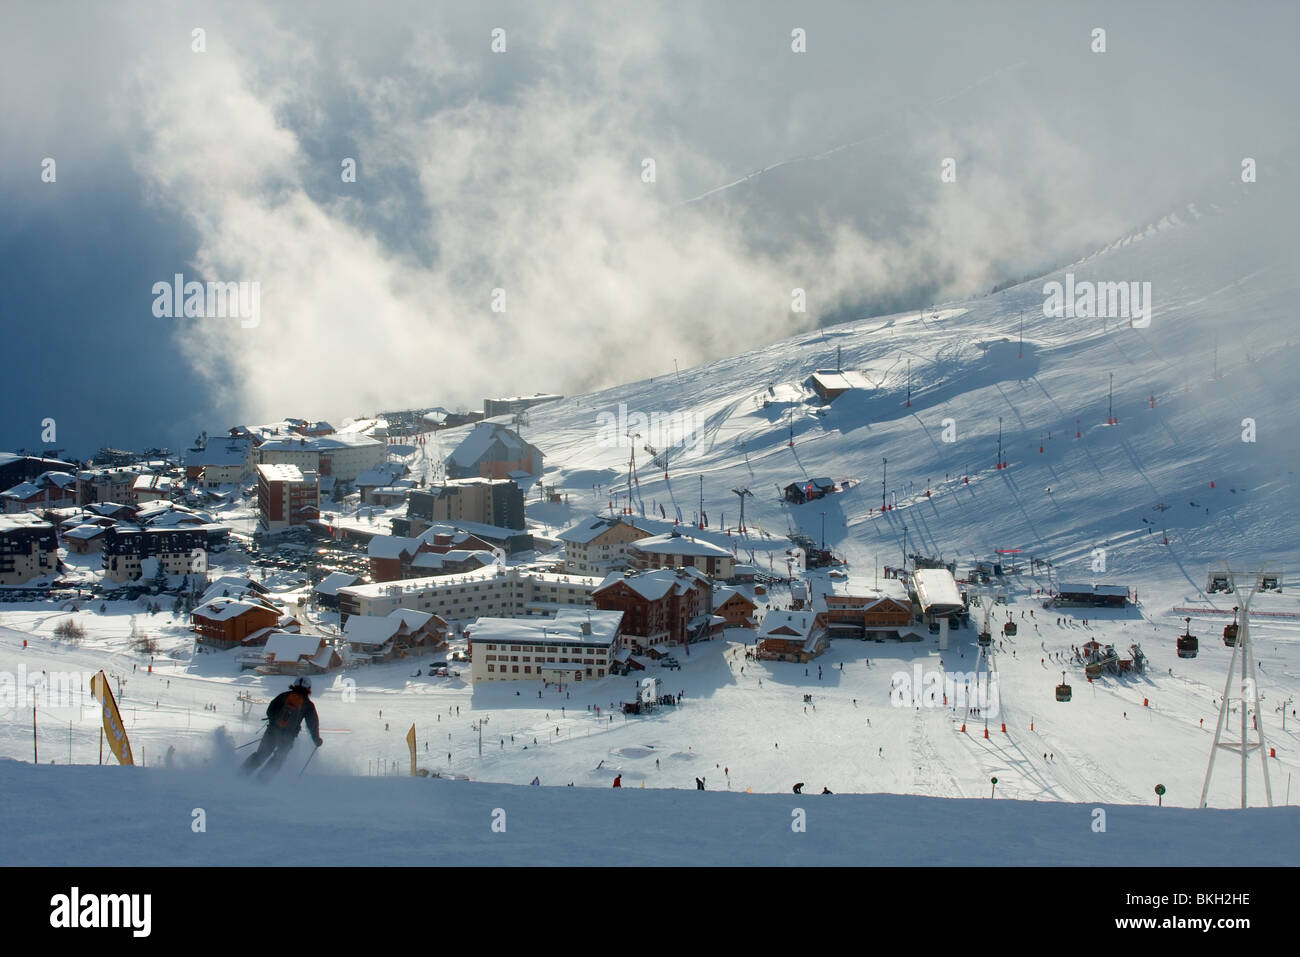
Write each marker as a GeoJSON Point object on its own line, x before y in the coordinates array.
{"type": "Point", "coordinates": [1249, 695]}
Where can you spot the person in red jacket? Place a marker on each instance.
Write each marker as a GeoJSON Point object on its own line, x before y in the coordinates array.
{"type": "Point", "coordinates": [618, 780]}
{"type": "Point", "coordinates": [285, 716]}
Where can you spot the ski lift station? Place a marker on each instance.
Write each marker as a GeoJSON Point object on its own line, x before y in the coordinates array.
{"type": "Point", "coordinates": [936, 592]}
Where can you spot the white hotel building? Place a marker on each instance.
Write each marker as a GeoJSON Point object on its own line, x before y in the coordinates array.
{"type": "Point", "coordinates": [495, 591]}
{"type": "Point", "coordinates": [573, 646]}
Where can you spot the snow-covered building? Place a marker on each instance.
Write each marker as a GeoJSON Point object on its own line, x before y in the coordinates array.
{"type": "Point", "coordinates": [497, 591]}
{"type": "Point", "coordinates": [735, 608]}
{"type": "Point", "coordinates": [327, 589]}
{"type": "Point", "coordinates": [676, 550]}
{"type": "Point", "coordinates": [226, 622]}
{"type": "Point", "coordinates": [936, 592]}
{"type": "Point", "coordinates": [831, 384]}
{"type": "Point", "coordinates": [855, 608]}
{"type": "Point", "coordinates": [286, 496]}
{"type": "Point", "coordinates": [222, 461]}
{"type": "Point", "coordinates": [791, 636]}
{"type": "Point", "coordinates": [597, 546]}
{"type": "Point", "coordinates": [574, 645]}
{"type": "Point", "coordinates": [180, 551]}
{"type": "Point", "coordinates": [491, 450]}
{"type": "Point", "coordinates": [29, 548]}
{"type": "Point", "coordinates": [151, 488]}
{"type": "Point", "coordinates": [289, 654]}
{"type": "Point", "coordinates": [47, 490]}
{"type": "Point", "coordinates": [664, 605]}
{"type": "Point", "coordinates": [344, 455]}
{"type": "Point", "coordinates": [371, 638]}
{"type": "Point", "coordinates": [107, 484]}
{"type": "Point", "coordinates": [490, 501]}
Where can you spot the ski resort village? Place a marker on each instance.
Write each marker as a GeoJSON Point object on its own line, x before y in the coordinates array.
{"type": "Point", "coordinates": [971, 553]}
{"type": "Point", "coordinates": [683, 435]}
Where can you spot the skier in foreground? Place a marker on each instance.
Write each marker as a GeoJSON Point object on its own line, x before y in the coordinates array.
{"type": "Point", "coordinates": [285, 715]}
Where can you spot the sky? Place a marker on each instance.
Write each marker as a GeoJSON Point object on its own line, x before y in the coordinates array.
{"type": "Point", "coordinates": [518, 178]}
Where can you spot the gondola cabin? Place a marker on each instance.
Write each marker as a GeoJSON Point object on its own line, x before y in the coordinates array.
{"type": "Point", "coordinates": [1063, 691]}
{"type": "Point", "coordinates": [985, 639]}
{"type": "Point", "coordinates": [1009, 628]}
{"type": "Point", "coordinates": [1230, 635]}
{"type": "Point", "coordinates": [1092, 670]}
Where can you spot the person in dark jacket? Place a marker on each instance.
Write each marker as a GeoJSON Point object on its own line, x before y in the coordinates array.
{"type": "Point", "coordinates": [798, 788]}
{"type": "Point", "coordinates": [284, 717]}
{"type": "Point", "coordinates": [699, 784]}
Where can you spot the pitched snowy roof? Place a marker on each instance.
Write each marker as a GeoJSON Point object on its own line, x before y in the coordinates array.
{"type": "Point", "coordinates": [224, 609]}
{"type": "Point", "coordinates": [675, 544]}
{"type": "Point", "coordinates": [392, 546]}
{"type": "Point", "coordinates": [801, 623]}
{"type": "Point", "coordinates": [286, 647]}
{"type": "Point", "coordinates": [331, 583]}
{"type": "Point", "coordinates": [371, 630]}
{"type": "Point", "coordinates": [220, 453]}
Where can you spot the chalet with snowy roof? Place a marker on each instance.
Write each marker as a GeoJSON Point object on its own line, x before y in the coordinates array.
{"type": "Point", "coordinates": [395, 635]}
{"type": "Point", "coordinates": [676, 550]}
{"type": "Point", "coordinates": [289, 654]}
{"type": "Point", "coordinates": [831, 384]}
{"type": "Point", "coordinates": [575, 645]}
{"type": "Point", "coordinates": [808, 490]}
{"type": "Point", "coordinates": [224, 623]}
{"type": "Point", "coordinates": [48, 490]}
{"type": "Point", "coordinates": [234, 586]}
{"type": "Point", "coordinates": [597, 545]}
{"type": "Point", "coordinates": [791, 636]}
{"type": "Point", "coordinates": [853, 608]}
{"type": "Point", "coordinates": [29, 549]}
{"type": "Point", "coordinates": [491, 450]}
{"type": "Point", "coordinates": [665, 605]}
{"type": "Point", "coordinates": [735, 608]}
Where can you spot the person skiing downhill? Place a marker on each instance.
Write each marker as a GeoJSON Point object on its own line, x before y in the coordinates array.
{"type": "Point", "coordinates": [285, 715]}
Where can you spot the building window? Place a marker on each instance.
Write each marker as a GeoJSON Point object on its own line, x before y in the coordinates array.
{"type": "Point", "coordinates": [515, 669]}
{"type": "Point", "coordinates": [492, 667]}
{"type": "Point", "coordinates": [528, 669]}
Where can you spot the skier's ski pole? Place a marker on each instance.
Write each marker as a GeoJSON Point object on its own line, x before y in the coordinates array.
{"type": "Point", "coordinates": [309, 757]}
{"type": "Point", "coordinates": [242, 746]}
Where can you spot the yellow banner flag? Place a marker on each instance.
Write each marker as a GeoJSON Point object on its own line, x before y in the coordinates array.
{"type": "Point", "coordinates": [113, 727]}
{"type": "Point", "coordinates": [410, 741]}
